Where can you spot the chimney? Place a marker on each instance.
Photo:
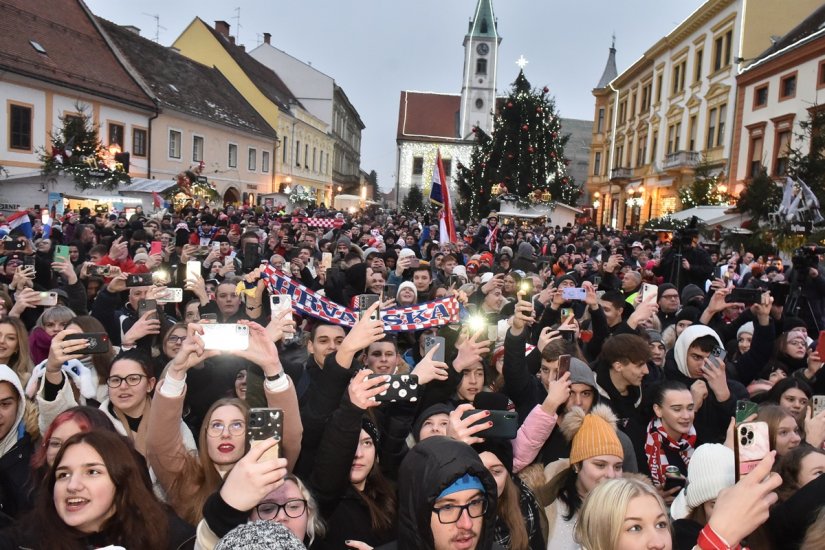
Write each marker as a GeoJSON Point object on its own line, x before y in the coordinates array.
{"type": "Point", "coordinates": [242, 47]}
{"type": "Point", "coordinates": [132, 28]}
{"type": "Point", "coordinates": [267, 37]}
{"type": "Point", "coordinates": [222, 27]}
{"type": "Point", "coordinates": [232, 40]}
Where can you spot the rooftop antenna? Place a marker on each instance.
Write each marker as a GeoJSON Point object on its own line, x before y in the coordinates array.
{"type": "Point", "coordinates": [158, 26]}
{"type": "Point", "coordinates": [237, 19]}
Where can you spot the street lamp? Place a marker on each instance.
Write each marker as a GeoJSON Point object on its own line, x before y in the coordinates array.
{"type": "Point", "coordinates": [288, 181]}
{"type": "Point", "coordinates": [596, 204]}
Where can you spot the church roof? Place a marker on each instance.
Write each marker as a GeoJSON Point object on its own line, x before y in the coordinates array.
{"type": "Point", "coordinates": [610, 71]}
{"type": "Point", "coordinates": [483, 23]}
{"type": "Point", "coordinates": [428, 116]}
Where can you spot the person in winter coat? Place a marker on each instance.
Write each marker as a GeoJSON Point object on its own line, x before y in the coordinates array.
{"type": "Point", "coordinates": [525, 259]}
{"type": "Point", "coordinates": [446, 495]}
{"type": "Point", "coordinates": [714, 394]}
{"type": "Point", "coordinates": [15, 449]}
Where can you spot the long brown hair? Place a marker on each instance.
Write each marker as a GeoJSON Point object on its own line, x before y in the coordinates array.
{"type": "Point", "coordinates": [379, 496]}
{"type": "Point", "coordinates": [199, 471]}
{"type": "Point", "coordinates": [134, 503]}
{"type": "Point", "coordinates": [509, 510]}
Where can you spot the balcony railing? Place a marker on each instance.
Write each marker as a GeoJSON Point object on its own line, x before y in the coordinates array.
{"type": "Point", "coordinates": [621, 173]}
{"type": "Point", "coordinates": [682, 159]}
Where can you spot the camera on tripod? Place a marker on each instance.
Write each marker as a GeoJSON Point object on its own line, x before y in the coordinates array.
{"type": "Point", "coordinates": [684, 236]}
{"type": "Point", "coordinates": [806, 257]}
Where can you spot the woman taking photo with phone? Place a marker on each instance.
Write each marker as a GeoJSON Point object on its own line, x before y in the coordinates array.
{"type": "Point", "coordinates": [95, 496]}
{"type": "Point", "coordinates": [189, 478]}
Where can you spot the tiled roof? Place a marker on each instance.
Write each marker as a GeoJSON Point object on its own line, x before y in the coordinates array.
{"type": "Point", "coordinates": [430, 116]}
{"type": "Point", "coordinates": [76, 54]}
{"type": "Point", "coordinates": [185, 85]}
{"type": "Point", "coordinates": [810, 25]}
{"type": "Point", "coordinates": [426, 116]}
{"type": "Point", "coordinates": [264, 78]}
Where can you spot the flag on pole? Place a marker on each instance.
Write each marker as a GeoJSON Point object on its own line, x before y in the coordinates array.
{"type": "Point", "coordinates": [157, 200]}
{"type": "Point", "coordinates": [21, 222]}
{"type": "Point", "coordinates": [440, 195]}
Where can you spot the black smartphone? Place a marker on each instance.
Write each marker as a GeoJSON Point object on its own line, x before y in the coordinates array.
{"type": "Point", "coordinates": [403, 387]}
{"type": "Point", "coordinates": [568, 335]}
{"type": "Point", "coordinates": [526, 287]}
{"type": "Point", "coordinates": [564, 365]}
{"type": "Point", "coordinates": [145, 306]}
{"type": "Point", "coordinates": [263, 424]}
{"type": "Point", "coordinates": [98, 342]}
{"type": "Point", "coordinates": [365, 301]}
{"type": "Point", "coordinates": [672, 482]}
{"type": "Point", "coordinates": [430, 342]}
{"type": "Point", "coordinates": [209, 318]}
{"type": "Point", "coordinates": [505, 424]}
{"type": "Point", "coordinates": [388, 292]}
{"type": "Point", "coordinates": [139, 279]}
{"type": "Point", "coordinates": [251, 257]}
{"type": "Point", "coordinates": [28, 261]}
{"type": "Point", "coordinates": [747, 296]}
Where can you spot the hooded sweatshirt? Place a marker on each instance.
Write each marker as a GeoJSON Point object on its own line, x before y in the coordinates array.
{"type": "Point", "coordinates": [15, 455]}
{"type": "Point", "coordinates": [429, 468]}
{"type": "Point", "coordinates": [713, 416]}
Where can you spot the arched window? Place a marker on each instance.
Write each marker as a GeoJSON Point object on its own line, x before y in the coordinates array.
{"type": "Point", "coordinates": [483, 26]}
{"type": "Point", "coordinates": [481, 66]}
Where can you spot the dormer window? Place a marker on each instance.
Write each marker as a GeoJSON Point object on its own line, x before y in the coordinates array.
{"type": "Point", "coordinates": [483, 26]}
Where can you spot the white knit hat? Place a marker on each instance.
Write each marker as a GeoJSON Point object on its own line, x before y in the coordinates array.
{"type": "Point", "coordinates": [746, 328]}
{"type": "Point", "coordinates": [711, 469]}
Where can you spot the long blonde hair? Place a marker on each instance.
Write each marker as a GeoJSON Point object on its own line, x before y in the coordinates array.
{"type": "Point", "coordinates": [603, 512]}
{"type": "Point", "coordinates": [20, 361]}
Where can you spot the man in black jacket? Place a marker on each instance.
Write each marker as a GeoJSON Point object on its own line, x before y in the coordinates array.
{"type": "Point", "coordinates": [446, 497]}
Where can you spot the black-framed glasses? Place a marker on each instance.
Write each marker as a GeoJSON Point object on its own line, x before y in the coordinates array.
{"type": "Point", "coordinates": [450, 513]}
{"type": "Point", "coordinates": [176, 339]}
{"type": "Point", "coordinates": [294, 508]}
{"type": "Point", "coordinates": [216, 428]}
{"type": "Point", "coordinates": [131, 380]}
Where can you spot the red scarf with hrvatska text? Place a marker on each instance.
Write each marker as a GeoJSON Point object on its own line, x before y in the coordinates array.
{"type": "Point", "coordinates": [657, 461]}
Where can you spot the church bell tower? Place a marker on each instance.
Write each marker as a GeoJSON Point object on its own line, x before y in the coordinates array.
{"type": "Point", "coordinates": [478, 87]}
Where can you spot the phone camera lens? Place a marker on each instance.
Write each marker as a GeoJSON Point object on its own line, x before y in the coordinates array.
{"type": "Point", "coordinates": [744, 441]}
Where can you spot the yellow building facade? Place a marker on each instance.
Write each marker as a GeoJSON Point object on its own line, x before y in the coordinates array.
{"type": "Point", "coordinates": [674, 107]}
{"type": "Point", "coordinates": [305, 148]}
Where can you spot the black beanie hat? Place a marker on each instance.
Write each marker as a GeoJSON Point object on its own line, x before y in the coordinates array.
{"type": "Point", "coordinates": [663, 288]}
{"type": "Point", "coordinates": [432, 410]}
{"type": "Point", "coordinates": [502, 448]}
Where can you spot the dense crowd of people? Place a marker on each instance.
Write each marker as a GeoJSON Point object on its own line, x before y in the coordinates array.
{"type": "Point", "coordinates": [597, 389]}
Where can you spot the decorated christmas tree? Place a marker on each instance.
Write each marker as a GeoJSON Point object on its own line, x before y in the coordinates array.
{"type": "Point", "coordinates": [77, 151]}
{"type": "Point", "coordinates": [522, 160]}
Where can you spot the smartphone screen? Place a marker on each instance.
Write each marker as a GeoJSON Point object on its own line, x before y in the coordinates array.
{"type": "Point", "coordinates": [193, 270]}
{"type": "Point", "coordinates": [326, 260]}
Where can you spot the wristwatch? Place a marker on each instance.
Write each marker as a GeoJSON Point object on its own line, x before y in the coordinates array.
{"type": "Point", "coordinates": [274, 377]}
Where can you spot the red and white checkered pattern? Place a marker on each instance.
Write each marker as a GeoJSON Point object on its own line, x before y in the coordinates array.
{"type": "Point", "coordinates": [327, 223]}
{"type": "Point", "coordinates": [345, 316]}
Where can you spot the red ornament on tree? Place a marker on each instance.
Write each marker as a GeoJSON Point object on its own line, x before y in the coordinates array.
{"type": "Point", "coordinates": [484, 165]}
{"type": "Point", "coordinates": [510, 156]}
{"type": "Point", "coordinates": [552, 155]}
{"type": "Point", "coordinates": [530, 149]}
{"type": "Point", "coordinates": [539, 109]}
{"type": "Point", "coordinates": [546, 89]}
{"type": "Point", "coordinates": [554, 135]}
{"type": "Point", "coordinates": [509, 104]}
{"type": "Point", "coordinates": [474, 129]}
{"type": "Point", "coordinates": [525, 127]}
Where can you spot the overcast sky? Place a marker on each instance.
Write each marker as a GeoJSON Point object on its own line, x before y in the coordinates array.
{"type": "Point", "coordinates": [376, 48]}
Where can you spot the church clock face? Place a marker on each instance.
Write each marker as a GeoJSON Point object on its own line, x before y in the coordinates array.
{"type": "Point", "coordinates": [482, 49]}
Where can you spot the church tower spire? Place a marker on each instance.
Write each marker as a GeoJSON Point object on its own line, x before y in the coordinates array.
{"type": "Point", "coordinates": [610, 69]}
{"type": "Point", "coordinates": [478, 87]}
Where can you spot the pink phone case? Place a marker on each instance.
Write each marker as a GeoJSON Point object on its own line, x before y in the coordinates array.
{"type": "Point", "coordinates": [754, 444]}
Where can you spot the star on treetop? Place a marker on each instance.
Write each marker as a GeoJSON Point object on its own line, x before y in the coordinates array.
{"type": "Point", "coordinates": [521, 62]}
